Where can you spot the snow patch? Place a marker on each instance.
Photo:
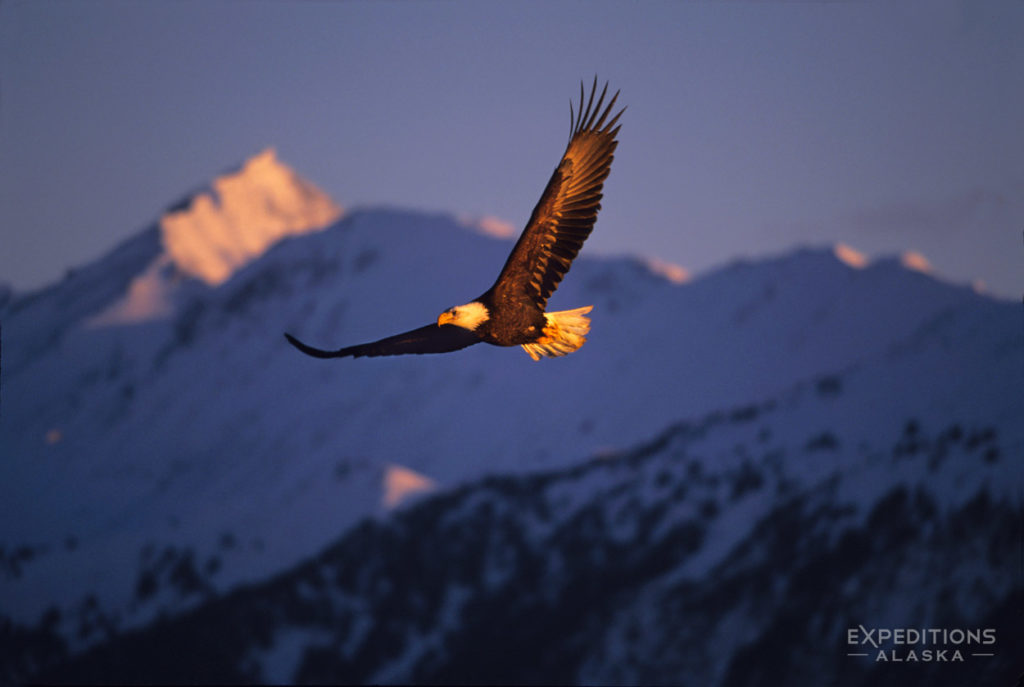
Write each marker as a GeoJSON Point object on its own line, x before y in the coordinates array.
{"type": "Point", "coordinates": [489, 225]}
{"type": "Point", "coordinates": [915, 261]}
{"type": "Point", "coordinates": [401, 483]}
{"type": "Point", "coordinates": [282, 660]}
{"type": "Point", "coordinates": [148, 298]}
{"type": "Point", "coordinates": [850, 256]}
{"type": "Point", "coordinates": [674, 273]}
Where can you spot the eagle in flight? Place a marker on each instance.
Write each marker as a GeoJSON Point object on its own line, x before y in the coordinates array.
{"type": "Point", "coordinates": [512, 311]}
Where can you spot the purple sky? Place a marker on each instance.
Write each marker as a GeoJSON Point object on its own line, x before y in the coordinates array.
{"type": "Point", "coordinates": [752, 127]}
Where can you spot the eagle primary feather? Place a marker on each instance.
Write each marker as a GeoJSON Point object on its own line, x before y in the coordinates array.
{"type": "Point", "coordinates": [429, 339]}
{"type": "Point", "coordinates": [512, 311]}
{"type": "Point", "coordinates": [567, 210]}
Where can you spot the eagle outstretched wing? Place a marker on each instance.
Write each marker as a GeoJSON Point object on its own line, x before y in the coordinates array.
{"type": "Point", "coordinates": [567, 210]}
{"type": "Point", "coordinates": [429, 339]}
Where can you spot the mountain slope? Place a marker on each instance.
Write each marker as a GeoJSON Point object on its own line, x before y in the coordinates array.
{"type": "Point", "coordinates": [738, 549]}
{"type": "Point", "coordinates": [168, 458]}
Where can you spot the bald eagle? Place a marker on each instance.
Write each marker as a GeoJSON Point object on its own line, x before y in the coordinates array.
{"type": "Point", "coordinates": [512, 311]}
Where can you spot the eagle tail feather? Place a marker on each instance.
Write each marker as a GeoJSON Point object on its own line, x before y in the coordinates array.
{"type": "Point", "coordinates": [564, 332]}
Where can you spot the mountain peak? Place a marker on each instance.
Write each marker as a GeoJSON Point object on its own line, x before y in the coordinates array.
{"type": "Point", "coordinates": [913, 260]}
{"type": "Point", "coordinates": [241, 215]}
{"type": "Point", "coordinates": [850, 256]}
{"type": "Point", "coordinates": [674, 273]}
{"type": "Point", "coordinates": [215, 232]}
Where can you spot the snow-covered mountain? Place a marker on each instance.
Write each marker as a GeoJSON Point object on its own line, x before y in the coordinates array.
{"type": "Point", "coordinates": [163, 444]}
{"type": "Point", "coordinates": [738, 549]}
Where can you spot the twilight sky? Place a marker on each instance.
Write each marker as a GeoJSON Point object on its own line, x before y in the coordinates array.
{"type": "Point", "coordinates": [752, 127]}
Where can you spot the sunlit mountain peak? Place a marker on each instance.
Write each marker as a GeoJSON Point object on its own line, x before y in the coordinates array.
{"type": "Point", "coordinates": [241, 216]}
{"type": "Point", "coordinates": [400, 483]}
{"type": "Point", "coordinates": [669, 270]}
{"type": "Point", "coordinates": [915, 261]}
{"type": "Point", "coordinates": [217, 231]}
{"type": "Point", "coordinates": [851, 256]}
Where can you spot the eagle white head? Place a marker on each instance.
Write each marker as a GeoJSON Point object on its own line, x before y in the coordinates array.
{"type": "Point", "coordinates": [468, 316]}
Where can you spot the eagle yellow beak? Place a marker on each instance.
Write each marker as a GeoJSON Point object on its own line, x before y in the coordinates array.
{"type": "Point", "coordinates": [447, 317]}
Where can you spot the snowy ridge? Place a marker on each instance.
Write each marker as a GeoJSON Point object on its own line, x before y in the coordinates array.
{"type": "Point", "coordinates": [167, 460]}
{"type": "Point", "coordinates": [685, 560]}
